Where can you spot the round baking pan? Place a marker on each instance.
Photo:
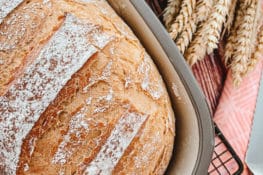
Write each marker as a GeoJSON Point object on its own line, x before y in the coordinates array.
{"type": "Point", "coordinates": [194, 141]}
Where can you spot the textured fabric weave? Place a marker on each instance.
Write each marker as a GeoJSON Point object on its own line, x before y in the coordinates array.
{"type": "Point", "coordinates": [235, 111]}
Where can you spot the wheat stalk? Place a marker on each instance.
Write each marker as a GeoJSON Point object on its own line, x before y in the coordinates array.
{"type": "Point", "coordinates": [170, 12]}
{"type": "Point", "coordinates": [256, 27]}
{"type": "Point", "coordinates": [197, 49]}
{"type": "Point", "coordinates": [243, 50]}
{"type": "Point", "coordinates": [230, 17]}
{"type": "Point", "coordinates": [200, 14]}
{"type": "Point", "coordinates": [229, 49]}
{"type": "Point", "coordinates": [181, 20]}
{"type": "Point", "coordinates": [186, 36]}
{"type": "Point", "coordinates": [258, 53]}
{"type": "Point", "coordinates": [232, 38]}
{"type": "Point", "coordinates": [203, 8]}
{"type": "Point", "coordinates": [247, 2]}
{"type": "Point", "coordinates": [215, 23]}
{"type": "Point", "coordinates": [206, 37]}
{"type": "Point", "coordinates": [257, 24]}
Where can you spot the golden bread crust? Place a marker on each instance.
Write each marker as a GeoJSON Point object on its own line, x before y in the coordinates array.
{"type": "Point", "coordinates": [112, 115]}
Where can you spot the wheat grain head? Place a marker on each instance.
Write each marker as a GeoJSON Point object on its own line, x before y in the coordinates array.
{"type": "Point", "coordinates": [232, 38]}
{"type": "Point", "coordinates": [181, 20]}
{"type": "Point", "coordinates": [203, 9]}
{"type": "Point", "coordinates": [186, 36]}
{"type": "Point", "coordinates": [258, 54]}
{"type": "Point", "coordinates": [230, 17]}
{"type": "Point", "coordinates": [243, 50]}
{"type": "Point", "coordinates": [200, 14]}
{"type": "Point", "coordinates": [197, 49]}
{"type": "Point", "coordinates": [170, 12]}
{"type": "Point", "coordinates": [215, 23]}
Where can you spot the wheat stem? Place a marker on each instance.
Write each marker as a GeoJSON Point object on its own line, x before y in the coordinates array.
{"type": "Point", "coordinates": [200, 14]}
{"type": "Point", "coordinates": [242, 52]}
{"type": "Point", "coordinates": [258, 53]}
{"type": "Point", "coordinates": [215, 23]}
{"type": "Point", "coordinates": [203, 8]}
{"type": "Point", "coordinates": [181, 20]}
{"type": "Point", "coordinates": [247, 2]}
{"type": "Point", "coordinates": [256, 26]}
{"type": "Point", "coordinates": [232, 38]}
{"type": "Point", "coordinates": [230, 17]}
{"type": "Point", "coordinates": [208, 34]}
{"type": "Point", "coordinates": [196, 50]}
{"type": "Point", "coordinates": [186, 36]}
{"type": "Point", "coordinates": [170, 12]}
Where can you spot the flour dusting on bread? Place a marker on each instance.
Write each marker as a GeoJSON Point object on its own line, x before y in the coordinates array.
{"type": "Point", "coordinates": [77, 123]}
{"type": "Point", "coordinates": [120, 138]}
{"type": "Point", "coordinates": [78, 93]}
{"type": "Point", "coordinates": [155, 88]}
{"type": "Point", "coordinates": [24, 102]}
{"type": "Point", "coordinates": [6, 6]}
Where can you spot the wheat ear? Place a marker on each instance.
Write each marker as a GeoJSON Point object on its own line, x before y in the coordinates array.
{"type": "Point", "coordinates": [232, 38]}
{"type": "Point", "coordinates": [215, 23]}
{"type": "Point", "coordinates": [203, 9]}
{"type": "Point", "coordinates": [170, 12]}
{"type": "Point", "coordinates": [247, 2]}
{"type": "Point", "coordinates": [186, 36]}
{"type": "Point", "coordinates": [230, 17]}
{"type": "Point", "coordinates": [181, 20]}
{"type": "Point", "coordinates": [196, 51]}
{"type": "Point", "coordinates": [197, 48]}
{"type": "Point", "coordinates": [200, 14]}
{"type": "Point", "coordinates": [242, 52]}
{"type": "Point", "coordinates": [256, 27]}
{"type": "Point", "coordinates": [258, 51]}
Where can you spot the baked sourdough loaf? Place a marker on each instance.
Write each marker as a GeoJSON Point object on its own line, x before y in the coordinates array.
{"type": "Point", "coordinates": [78, 93]}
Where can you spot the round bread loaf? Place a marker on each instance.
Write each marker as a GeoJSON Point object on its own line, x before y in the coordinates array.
{"type": "Point", "coordinates": [78, 93]}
